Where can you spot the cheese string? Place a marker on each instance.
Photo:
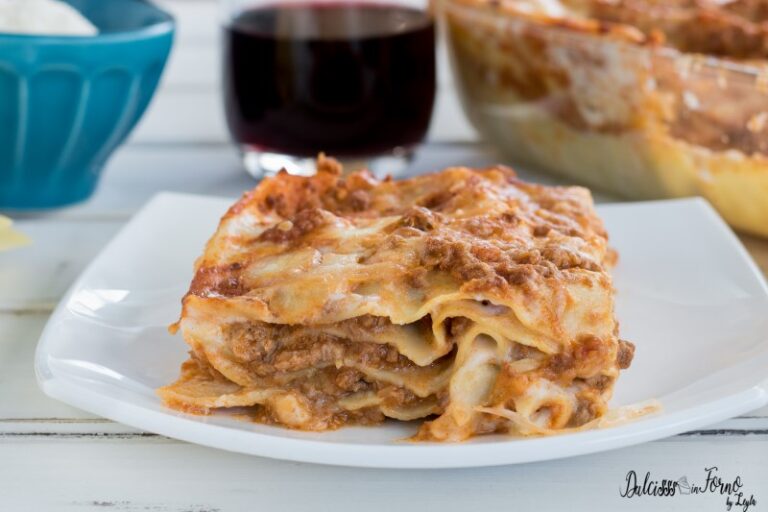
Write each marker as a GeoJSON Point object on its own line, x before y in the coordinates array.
{"type": "Point", "coordinates": [613, 418]}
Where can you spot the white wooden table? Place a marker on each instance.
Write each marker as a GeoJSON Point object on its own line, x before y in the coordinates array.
{"type": "Point", "coordinates": [53, 457]}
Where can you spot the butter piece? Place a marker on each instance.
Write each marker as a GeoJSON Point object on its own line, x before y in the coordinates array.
{"type": "Point", "coordinates": [10, 238]}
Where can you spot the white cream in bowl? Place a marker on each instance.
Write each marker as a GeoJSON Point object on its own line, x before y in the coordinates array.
{"type": "Point", "coordinates": [43, 17]}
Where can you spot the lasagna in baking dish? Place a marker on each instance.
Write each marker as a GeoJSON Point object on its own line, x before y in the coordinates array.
{"type": "Point", "coordinates": [466, 298]}
{"type": "Point", "coordinates": [642, 98]}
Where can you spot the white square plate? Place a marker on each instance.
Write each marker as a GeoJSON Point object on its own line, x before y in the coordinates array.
{"type": "Point", "coordinates": [689, 297]}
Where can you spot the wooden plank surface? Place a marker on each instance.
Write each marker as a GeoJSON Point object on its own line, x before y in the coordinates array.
{"type": "Point", "coordinates": [119, 473]}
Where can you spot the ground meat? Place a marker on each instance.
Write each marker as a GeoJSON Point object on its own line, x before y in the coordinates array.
{"type": "Point", "coordinates": [589, 350]}
{"type": "Point", "coordinates": [487, 253]}
{"type": "Point", "coordinates": [456, 257]}
{"type": "Point", "coordinates": [564, 258]}
{"type": "Point", "coordinates": [395, 396]}
{"type": "Point", "coordinates": [560, 363]}
{"type": "Point", "coordinates": [490, 266]}
{"type": "Point", "coordinates": [488, 227]}
{"type": "Point", "coordinates": [625, 354]}
{"type": "Point", "coordinates": [358, 200]}
{"type": "Point", "coordinates": [352, 195]}
{"type": "Point", "coordinates": [272, 348]}
{"type": "Point", "coordinates": [585, 357]}
{"type": "Point", "coordinates": [322, 349]}
{"type": "Point", "coordinates": [304, 222]}
{"type": "Point", "coordinates": [362, 327]}
{"type": "Point", "coordinates": [277, 203]}
{"type": "Point", "coordinates": [351, 380]}
{"type": "Point", "coordinates": [586, 410]}
{"type": "Point", "coordinates": [421, 218]}
{"type": "Point", "coordinates": [483, 227]}
{"type": "Point", "coordinates": [222, 280]}
{"type": "Point", "coordinates": [322, 390]}
{"type": "Point", "coordinates": [559, 216]}
{"type": "Point", "coordinates": [320, 393]}
{"type": "Point", "coordinates": [600, 382]}
{"type": "Point", "coordinates": [253, 342]}
{"type": "Point", "coordinates": [377, 354]}
{"type": "Point", "coordinates": [495, 266]}
{"type": "Point", "coordinates": [417, 278]}
{"type": "Point", "coordinates": [520, 275]}
{"type": "Point", "coordinates": [438, 199]}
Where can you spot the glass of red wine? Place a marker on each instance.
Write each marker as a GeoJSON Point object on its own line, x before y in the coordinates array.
{"type": "Point", "coordinates": [352, 78]}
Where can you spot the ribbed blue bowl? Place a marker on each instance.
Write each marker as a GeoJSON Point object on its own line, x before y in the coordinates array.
{"type": "Point", "coordinates": [66, 103]}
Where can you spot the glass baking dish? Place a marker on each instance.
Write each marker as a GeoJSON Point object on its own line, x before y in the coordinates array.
{"type": "Point", "coordinates": [605, 107]}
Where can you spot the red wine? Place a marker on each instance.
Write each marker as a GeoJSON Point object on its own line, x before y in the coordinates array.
{"type": "Point", "coordinates": [344, 78]}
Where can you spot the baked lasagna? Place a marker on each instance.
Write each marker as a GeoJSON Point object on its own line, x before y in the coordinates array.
{"type": "Point", "coordinates": [466, 298]}
{"type": "Point", "coordinates": [641, 98]}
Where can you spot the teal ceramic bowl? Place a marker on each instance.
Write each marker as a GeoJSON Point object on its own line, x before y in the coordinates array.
{"type": "Point", "coordinates": [67, 102]}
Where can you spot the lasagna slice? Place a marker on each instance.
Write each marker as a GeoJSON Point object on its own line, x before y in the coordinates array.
{"type": "Point", "coordinates": [464, 297]}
